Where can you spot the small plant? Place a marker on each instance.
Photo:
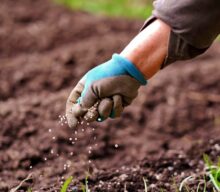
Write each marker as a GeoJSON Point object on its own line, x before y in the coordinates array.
{"type": "Point", "coordinates": [85, 188]}
{"type": "Point", "coordinates": [66, 184]}
{"type": "Point", "coordinates": [21, 184]}
{"type": "Point", "coordinates": [213, 171]}
{"type": "Point", "coordinates": [183, 184]}
{"type": "Point", "coordinates": [175, 185]}
{"type": "Point", "coordinates": [145, 185]}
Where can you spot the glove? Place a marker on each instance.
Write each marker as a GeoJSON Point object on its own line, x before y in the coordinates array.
{"type": "Point", "coordinates": [104, 91]}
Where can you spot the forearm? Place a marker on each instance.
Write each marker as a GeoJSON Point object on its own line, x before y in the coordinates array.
{"type": "Point", "coordinates": [177, 31]}
{"type": "Point", "coordinates": [149, 48]}
{"type": "Point", "coordinates": [193, 26]}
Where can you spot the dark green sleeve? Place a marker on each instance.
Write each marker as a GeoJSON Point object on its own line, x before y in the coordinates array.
{"type": "Point", "coordinates": [195, 24]}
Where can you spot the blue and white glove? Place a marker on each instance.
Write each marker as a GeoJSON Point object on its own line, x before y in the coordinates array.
{"type": "Point", "coordinates": [104, 91]}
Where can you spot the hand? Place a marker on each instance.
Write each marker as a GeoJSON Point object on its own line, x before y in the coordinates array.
{"type": "Point", "coordinates": [104, 91]}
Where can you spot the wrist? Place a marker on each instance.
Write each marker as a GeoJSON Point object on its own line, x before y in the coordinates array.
{"type": "Point", "coordinates": [149, 48]}
{"type": "Point", "coordinates": [130, 68]}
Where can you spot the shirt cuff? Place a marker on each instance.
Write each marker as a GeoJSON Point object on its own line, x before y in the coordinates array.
{"type": "Point", "coordinates": [178, 48]}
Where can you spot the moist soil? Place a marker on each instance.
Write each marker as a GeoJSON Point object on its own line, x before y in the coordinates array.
{"type": "Point", "coordinates": [45, 49]}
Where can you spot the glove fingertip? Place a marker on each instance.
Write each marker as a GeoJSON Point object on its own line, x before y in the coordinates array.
{"type": "Point", "coordinates": [72, 122]}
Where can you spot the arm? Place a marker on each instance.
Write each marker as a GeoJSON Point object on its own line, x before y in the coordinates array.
{"type": "Point", "coordinates": [149, 48]}
{"type": "Point", "coordinates": [194, 26]}
{"type": "Point", "coordinates": [171, 34]}
{"type": "Point", "coordinates": [113, 85]}
{"type": "Point", "coordinates": [176, 31]}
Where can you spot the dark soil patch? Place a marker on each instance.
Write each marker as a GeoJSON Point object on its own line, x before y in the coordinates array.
{"type": "Point", "coordinates": [44, 50]}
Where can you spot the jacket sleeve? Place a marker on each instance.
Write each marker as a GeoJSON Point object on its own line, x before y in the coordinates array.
{"type": "Point", "coordinates": [194, 26]}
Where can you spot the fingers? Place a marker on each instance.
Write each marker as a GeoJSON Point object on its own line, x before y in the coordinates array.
{"type": "Point", "coordinates": [76, 92]}
{"type": "Point", "coordinates": [88, 97]}
{"type": "Point", "coordinates": [75, 114]}
{"type": "Point", "coordinates": [117, 107]}
{"type": "Point", "coordinates": [74, 110]}
{"type": "Point", "coordinates": [105, 108]}
{"type": "Point", "coordinates": [110, 107]}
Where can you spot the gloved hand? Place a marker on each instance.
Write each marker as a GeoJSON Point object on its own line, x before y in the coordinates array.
{"type": "Point", "coordinates": [104, 91]}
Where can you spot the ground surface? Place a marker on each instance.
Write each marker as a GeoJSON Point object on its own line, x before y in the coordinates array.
{"type": "Point", "coordinates": [44, 50]}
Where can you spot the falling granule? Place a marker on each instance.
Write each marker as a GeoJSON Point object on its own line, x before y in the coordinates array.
{"type": "Point", "coordinates": [99, 119]}
{"type": "Point", "coordinates": [94, 138]}
{"type": "Point", "coordinates": [54, 138]}
{"type": "Point", "coordinates": [75, 132]}
{"type": "Point", "coordinates": [90, 161]}
{"type": "Point", "coordinates": [71, 153]}
{"type": "Point", "coordinates": [87, 124]}
{"type": "Point", "coordinates": [51, 151]}
{"type": "Point", "coordinates": [96, 144]}
{"type": "Point", "coordinates": [62, 120]}
{"type": "Point", "coordinates": [76, 139]}
{"type": "Point", "coordinates": [90, 150]}
{"type": "Point", "coordinates": [31, 167]}
{"type": "Point", "coordinates": [45, 159]}
{"type": "Point", "coordinates": [83, 130]}
{"type": "Point", "coordinates": [49, 130]}
{"type": "Point", "coordinates": [73, 143]}
{"type": "Point", "coordinates": [116, 145]}
{"type": "Point", "coordinates": [70, 139]}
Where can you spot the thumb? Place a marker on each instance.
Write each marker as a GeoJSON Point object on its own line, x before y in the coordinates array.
{"type": "Point", "coordinates": [74, 110]}
{"type": "Point", "coordinates": [90, 101]}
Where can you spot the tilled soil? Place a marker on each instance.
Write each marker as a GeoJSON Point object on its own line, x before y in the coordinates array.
{"type": "Point", "coordinates": [44, 51]}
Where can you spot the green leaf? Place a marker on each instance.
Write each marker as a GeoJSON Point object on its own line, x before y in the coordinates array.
{"type": "Point", "coordinates": [66, 184]}
{"type": "Point", "coordinates": [205, 184]}
{"type": "Point", "coordinates": [83, 187]}
{"type": "Point", "coordinates": [207, 160]}
{"type": "Point", "coordinates": [215, 182]}
{"type": "Point", "coordinates": [214, 171]}
{"type": "Point", "coordinates": [218, 162]}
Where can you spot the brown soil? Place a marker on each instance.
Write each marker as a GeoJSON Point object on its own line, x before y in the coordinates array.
{"type": "Point", "coordinates": [44, 51]}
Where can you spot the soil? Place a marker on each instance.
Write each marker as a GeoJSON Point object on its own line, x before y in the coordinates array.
{"type": "Point", "coordinates": [44, 51]}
